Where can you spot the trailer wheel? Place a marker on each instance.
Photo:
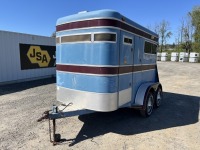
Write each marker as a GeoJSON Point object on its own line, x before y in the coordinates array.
{"type": "Point", "coordinates": [158, 97]}
{"type": "Point", "coordinates": [148, 105]}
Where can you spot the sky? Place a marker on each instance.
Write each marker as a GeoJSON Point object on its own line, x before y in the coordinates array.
{"type": "Point", "coordinates": [39, 16]}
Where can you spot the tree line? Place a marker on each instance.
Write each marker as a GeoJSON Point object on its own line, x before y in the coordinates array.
{"type": "Point", "coordinates": [187, 37]}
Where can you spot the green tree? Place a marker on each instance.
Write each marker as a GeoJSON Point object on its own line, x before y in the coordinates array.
{"type": "Point", "coordinates": [53, 34]}
{"type": "Point", "coordinates": [195, 16]}
{"type": "Point", "coordinates": [164, 33]}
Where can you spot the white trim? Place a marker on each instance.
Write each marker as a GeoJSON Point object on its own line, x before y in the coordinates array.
{"type": "Point", "coordinates": [110, 28]}
{"type": "Point", "coordinates": [105, 41]}
{"type": "Point", "coordinates": [103, 65]}
{"type": "Point", "coordinates": [121, 74]}
{"type": "Point", "coordinates": [92, 37]}
{"type": "Point", "coordinates": [76, 42]}
{"type": "Point", "coordinates": [124, 36]}
{"type": "Point", "coordinates": [59, 40]}
{"type": "Point", "coordinates": [81, 90]}
{"type": "Point", "coordinates": [77, 34]}
{"type": "Point", "coordinates": [86, 33]}
{"type": "Point", "coordinates": [143, 71]}
{"type": "Point", "coordinates": [88, 65]}
{"type": "Point", "coordinates": [150, 43]}
{"type": "Point", "coordinates": [89, 28]}
{"type": "Point", "coordinates": [148, 64]}
{"type": "Point", "coordinates": [103, 75]}
{"type": "Point", "coordinates": [108, 18]}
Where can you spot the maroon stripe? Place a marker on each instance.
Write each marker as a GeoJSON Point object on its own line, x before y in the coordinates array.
{"type": "Point", "coordinates": [103, 70]}
{"type": "Point", "coordinates": [103, 22]}
{"type": "Point", "coordinates": [125, 69]}
{"type": "Point", "coordinates": [143, 67]}
{"type": "Point", "coordinates": [88, 69]}
{"type": "Point", "coordinates": [148, 67]}
{"type": "Point", "coordinates": [88, 23]}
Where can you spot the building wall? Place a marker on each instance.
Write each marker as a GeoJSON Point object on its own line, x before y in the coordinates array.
{"type": "Point", "coordinates": [10, 67]}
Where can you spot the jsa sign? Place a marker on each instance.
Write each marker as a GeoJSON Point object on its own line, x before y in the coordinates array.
{"type": "Point", "coordinates": [37, 56]}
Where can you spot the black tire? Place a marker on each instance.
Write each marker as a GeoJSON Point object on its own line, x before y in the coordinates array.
{"type": "Point", "coordinates": [158, 97]}
{"type": "Point", "coordinates": [57, 137]}
{"type": "Point", "coordinates": [149, 103]}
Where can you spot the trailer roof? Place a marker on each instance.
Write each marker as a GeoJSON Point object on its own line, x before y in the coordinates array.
{"type": "Point", "coordinates": [101, 14]}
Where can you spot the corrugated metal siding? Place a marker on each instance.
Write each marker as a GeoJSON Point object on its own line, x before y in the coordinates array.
{"type": "Point", "coordinates": [10, 67]}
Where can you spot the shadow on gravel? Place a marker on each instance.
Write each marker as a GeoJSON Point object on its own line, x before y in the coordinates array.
{"type": "Point", "coordinates": [176, 110]}
{"type": "Point", "coordinates": [12, 88]}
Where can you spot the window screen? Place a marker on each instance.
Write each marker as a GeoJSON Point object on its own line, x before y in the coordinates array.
{"type": "Point", "coordinates": [154, 49]}
{"type": "Point", "coordinates": [105, 37]}
{"type": "Point", "coordinates": [76, 38]}
{"type": "Point", "coordinates": [150, 48]}
{"type": "Point", "coordinates": [128, 40]}
{"type": "Point", "coordinates": [147, 48]}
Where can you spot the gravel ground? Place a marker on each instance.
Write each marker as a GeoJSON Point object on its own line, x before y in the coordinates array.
{"type": "Point", "coordinates": [175, 125]}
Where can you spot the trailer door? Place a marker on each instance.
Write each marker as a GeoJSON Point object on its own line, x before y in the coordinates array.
{"type": "Point", "coordinates": [125, 71]}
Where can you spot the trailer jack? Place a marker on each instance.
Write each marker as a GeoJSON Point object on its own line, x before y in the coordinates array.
{"type": "Point", "coordinates": [58, 112]}
{"type": "Point", "coordinates": [56, 137]}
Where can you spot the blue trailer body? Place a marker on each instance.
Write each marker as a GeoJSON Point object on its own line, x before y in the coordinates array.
{"type": "Point", "coordinates": [103, 58]}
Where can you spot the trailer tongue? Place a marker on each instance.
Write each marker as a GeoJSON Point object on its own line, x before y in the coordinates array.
{"type": "Point", "coordinates": [59, 112]}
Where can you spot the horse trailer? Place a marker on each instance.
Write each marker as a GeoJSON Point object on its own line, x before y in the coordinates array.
{"type": "Point", "coordinates": [105, 62]}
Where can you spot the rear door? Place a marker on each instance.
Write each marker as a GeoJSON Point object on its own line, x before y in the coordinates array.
{"type": "Point", "coordinates": [125, 71]}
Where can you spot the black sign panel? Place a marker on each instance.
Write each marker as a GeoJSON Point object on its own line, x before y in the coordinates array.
{"type": "Point", "coordinates": [37, 56]}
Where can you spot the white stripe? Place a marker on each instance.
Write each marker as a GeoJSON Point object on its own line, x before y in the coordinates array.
{"type": "Point", "coordinates": [86, 65]}
{"type": "Point", "coordinates": [108, 18]}
{"type": "Point", "coordinates": [88, 28]}
{"type": "Point", "coordinates": [83, 91]}
{"type": "Point", "coordinates": [104, 75]}
{"type": "Point", "coordinates": [88, 73]}
{"type": "Point", "coordinates": [87, 33]}
{"type": "Point", "coordinates": [143, 71]}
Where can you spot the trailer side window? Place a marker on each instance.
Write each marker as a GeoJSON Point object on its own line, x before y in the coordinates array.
{"type": "Point", "coordinates": [105, 37]}
{"type": "Point", "coordinates": [154, 49]}
{"type": "Point", "coordinates": [128, 41]}
{"type": "Point", "coordinates": [76, 38]}
{"type": "Point", "coordinates": [150, 48]}
{"type": "Point", "coordinates": [57, 40]}
{"type": "Point", "coordinates": [147, 48]}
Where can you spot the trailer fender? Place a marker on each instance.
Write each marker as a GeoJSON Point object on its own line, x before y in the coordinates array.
{"type": "Point", "coordinates": [142, 90]}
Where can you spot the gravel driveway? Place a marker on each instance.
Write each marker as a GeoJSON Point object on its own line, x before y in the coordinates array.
{"type": "Point", "coordinates": [175, 125]}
